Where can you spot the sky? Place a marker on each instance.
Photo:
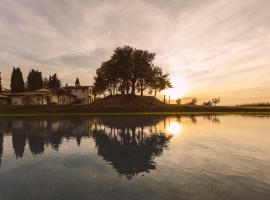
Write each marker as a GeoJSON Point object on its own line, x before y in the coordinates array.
{"type": "Point", "coordinates": [210, 48]}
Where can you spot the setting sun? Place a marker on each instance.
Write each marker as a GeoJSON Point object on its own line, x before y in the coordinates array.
{"type": "Point", "coordinates": [178, 90]}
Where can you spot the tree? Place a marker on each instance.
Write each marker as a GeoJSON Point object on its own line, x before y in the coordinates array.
{"type": "Point", "coordinates": [17, 83]}
{"type": "Point", "coordinates": [54, 82]}
{"type": "Point", "coordinates": [216, 101]}
{"type": "Point", "coordinates": [207, 103]}
{"type": "Point", "coordinates": [159, 80]}
{"type": "Point", "coordinates": [178, 101]}
{"type": "Point", "coordinates": [34, 80]}
{"type": "Point", "coordinates": [45, 82]}
{"type": "Point", "coordinates": [193, 102]}
{"type": "Point", "coordinates": [128, 70]}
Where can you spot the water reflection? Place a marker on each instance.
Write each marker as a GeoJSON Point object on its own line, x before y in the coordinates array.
{"type": "Point", "coordinates": [129, 144]}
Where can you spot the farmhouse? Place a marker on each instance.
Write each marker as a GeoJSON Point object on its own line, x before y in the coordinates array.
{"type": "Point", "coordinates": [83, 94]}
{"type": "Point", "coordinates": [38, 97]}
{"type": "Point", "coordinates": [42, 96]}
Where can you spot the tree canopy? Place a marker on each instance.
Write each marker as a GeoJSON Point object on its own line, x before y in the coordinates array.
{"type": "Point", "coordinates": [130, 70]}
{"type": "Point", "coordinates": [17, 83]}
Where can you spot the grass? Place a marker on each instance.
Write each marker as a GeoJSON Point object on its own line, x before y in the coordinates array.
{"type": "Point", "coordinates": [99, 110]}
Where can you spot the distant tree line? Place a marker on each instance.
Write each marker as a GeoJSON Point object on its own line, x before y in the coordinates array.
{"type": "Point", "coordinates": [193, 102]}
{"type": "Point", "coordinates": [130, 71]}
{"type": "Point", "coordinates": [34, 81]}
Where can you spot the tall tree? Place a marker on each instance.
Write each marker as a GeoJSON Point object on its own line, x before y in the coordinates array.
{"type": "Point", "coordinates": [17, 83]}
{"type": "Point", "coordinates": [46, 82]}
{"type": "Point", "coordinates": [34, 80]}
{"type": "Point", "coordinates": [54, 82]}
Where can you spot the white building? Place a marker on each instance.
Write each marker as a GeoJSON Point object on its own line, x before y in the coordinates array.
{"type": "Point", "coordinates": [83, 94]}
{"type": "Point", "coordinates": [43, 96]}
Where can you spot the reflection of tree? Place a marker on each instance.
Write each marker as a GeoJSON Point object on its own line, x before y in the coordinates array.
{"type": "Point", "coordinates": [213, 118]}
{"type": "Point", "coordinates": [36, 144]}
{"type": "Point", "coordinates": [130, 144]}
{"type": "Point", "coordinates": [130, 151]}
{"type": "Point", "coordinates": [45, 132]}
{"type": "Point", "coordinates": [18, 141]}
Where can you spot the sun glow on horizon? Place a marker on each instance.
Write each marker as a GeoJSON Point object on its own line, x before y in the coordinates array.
{"type": "Point", "coordinates": [178, 90]}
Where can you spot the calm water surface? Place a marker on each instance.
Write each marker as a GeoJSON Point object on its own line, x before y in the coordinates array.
{"type": "Point", "coordinates": [187, 157]}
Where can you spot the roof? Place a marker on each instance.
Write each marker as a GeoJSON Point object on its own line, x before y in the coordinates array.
{"type": "Point", "coordinates": [44, 89]}
{"type": "Point", "coordinates": [76, 87]}
{"type": "Point", "coordinates": [31, 93]}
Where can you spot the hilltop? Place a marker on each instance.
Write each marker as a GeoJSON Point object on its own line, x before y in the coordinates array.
{"type": "Point", "coordinates": [128, 100]}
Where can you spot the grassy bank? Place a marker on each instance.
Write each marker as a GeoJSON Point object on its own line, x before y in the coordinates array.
{"type": "Point", "coordinates": [91, 110]}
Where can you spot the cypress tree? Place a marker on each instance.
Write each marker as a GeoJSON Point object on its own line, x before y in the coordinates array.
{"type": "Point", "coordinates": [34, 80]}
{"type": "Point", "coordinates": [54, 82]}
{"type": "Point", "coordinates": [17, 83]}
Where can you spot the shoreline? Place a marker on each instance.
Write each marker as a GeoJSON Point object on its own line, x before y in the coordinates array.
{"type": "Point", "coordinates": [130, 110]}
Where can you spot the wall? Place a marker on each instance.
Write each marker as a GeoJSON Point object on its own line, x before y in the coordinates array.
{"type": "Point", "coordinates": [82, 94]}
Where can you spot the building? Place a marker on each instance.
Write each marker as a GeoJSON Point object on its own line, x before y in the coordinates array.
{"type": "Point", "coordinates": [83, 94]}
{"type": "Point", "coordinates": [38, 97]}
{"type": "Point", "coordinates": [43, 96]}
{"type": "Point", "coordinates": [4, 99]}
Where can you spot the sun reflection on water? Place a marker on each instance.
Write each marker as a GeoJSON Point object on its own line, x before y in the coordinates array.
{"type": "Point", "coordinates": [174, 128]}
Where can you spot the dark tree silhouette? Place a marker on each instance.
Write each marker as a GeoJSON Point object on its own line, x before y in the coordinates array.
{"type": "Point", "coordinates": [18, 141]}
{"type": "Point", "coordinates": [34, 80]}
{"type": "Point", "coordinates": [17, 83]}
{"type": "Point", "coordinates": [54, 82]}
{"type": "Point", "coordinates": [127, 70]}
{"type": "Point", "coordinates": [128, 150]}
{"type": "Point", "coordinates": [46, 82]}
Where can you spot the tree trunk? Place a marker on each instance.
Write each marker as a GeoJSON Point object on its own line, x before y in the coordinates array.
{"type": "Point", "coordinates": [133, 87]}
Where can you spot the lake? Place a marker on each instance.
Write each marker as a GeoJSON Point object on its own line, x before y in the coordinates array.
{"type": "Point", "coordinates": [136, 157]}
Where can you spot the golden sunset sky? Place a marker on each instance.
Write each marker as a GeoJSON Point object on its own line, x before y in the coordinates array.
{"type": "Point", "coordinates": [211, 48]}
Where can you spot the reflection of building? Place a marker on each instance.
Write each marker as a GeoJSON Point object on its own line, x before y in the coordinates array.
{"type": "Point", "coordinates": [83, 94]}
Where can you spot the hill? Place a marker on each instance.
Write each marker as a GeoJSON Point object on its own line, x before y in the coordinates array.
{"type": "Point", "coordinates": [128, 100]}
